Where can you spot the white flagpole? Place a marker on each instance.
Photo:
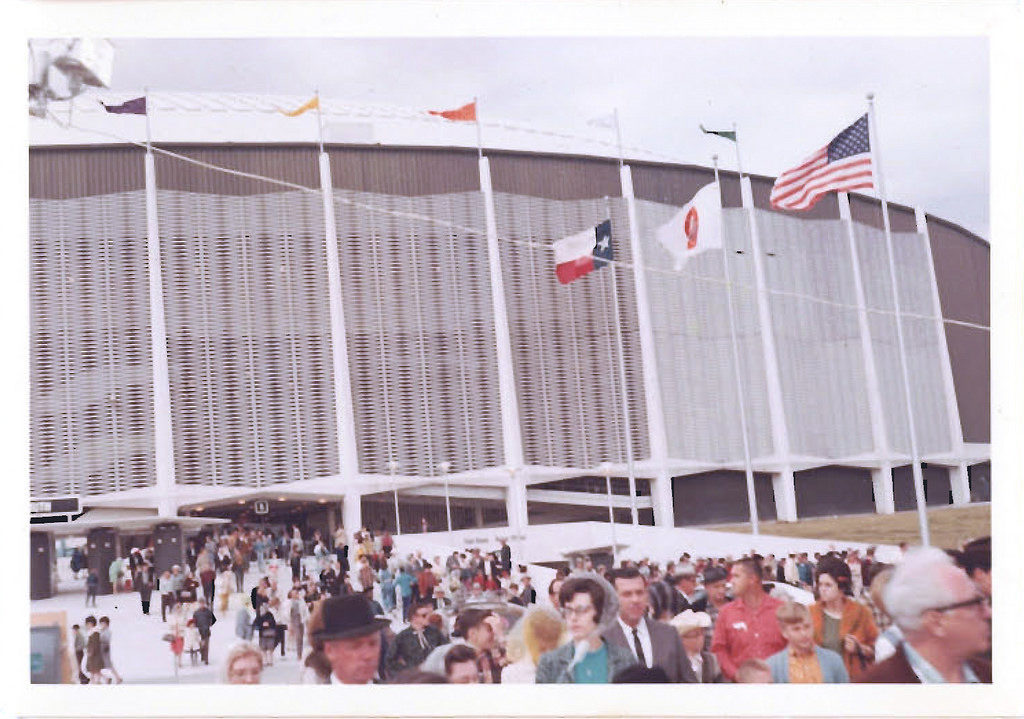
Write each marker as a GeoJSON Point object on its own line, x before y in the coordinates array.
{"type": "Point", "coordinates": [163, 429]}
{"type": "Point", "coordinates": [618, 136]}
{"type": "Point", "coordinates": [747, 463]}
{"type": "Point", "coordinates": [606, 467]}
{"type": "Point", "coordinates": [622, 381]}
{"type": "Point", "coordinates": [319, 120]}
{"type": "Point", "coordinates": [145, 96]}
{"type": "Point", "coordinates": [922, 512]}
{"type": "Point", "coordinates": [479, 137]}
{"type": "Point", "coordinates": [785, 491]}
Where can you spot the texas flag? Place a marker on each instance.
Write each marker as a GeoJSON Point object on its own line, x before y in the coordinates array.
{"type": "Point", "coordinates": [696, 227]}
{"type": "Point", "coordinates": [578, 254]}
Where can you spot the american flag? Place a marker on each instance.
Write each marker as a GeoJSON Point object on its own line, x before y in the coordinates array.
{"type": "Point", "coordinates": [843, 164]}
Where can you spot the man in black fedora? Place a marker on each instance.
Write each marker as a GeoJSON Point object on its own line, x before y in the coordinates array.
{"type": "Point", "coordinates": [351, 638]}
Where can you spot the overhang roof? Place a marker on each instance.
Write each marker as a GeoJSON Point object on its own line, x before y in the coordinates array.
{"type": "Point", "coordinates": [124, 519]}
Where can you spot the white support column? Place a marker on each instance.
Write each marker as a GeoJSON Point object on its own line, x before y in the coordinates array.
{"type": "Point", "coordinates": [348, 461]}
{"type": "Point", "coordinates": [881, 481]}
{"type": "Point", "coordinates": [881, 477]}
{"type": "Point", "coordinates": [782, 480]}
{"type": "Point", "coordinates": [162, 426]}
{"type": "Point", "coordinates": [957, 475]}
{"type": "Point", "coordinates": [512, 440]}
{"type": "Point", "coordinates": [352, 513]}
{"type": "Point", "coordinates": [661, 484]}
{"type": "Point", "coordinates": [515, 502]}
{"type": "Point", "coordinates": [959, 485]}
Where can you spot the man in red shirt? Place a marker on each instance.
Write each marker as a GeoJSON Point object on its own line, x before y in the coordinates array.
{"type": "Point", "coordinates": [747, 627]}
{"type": "Point", "coordinates": [426, 580]}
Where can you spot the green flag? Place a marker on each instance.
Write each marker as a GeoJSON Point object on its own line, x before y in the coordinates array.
{"type": "Point", "coordinates": [727, 134]}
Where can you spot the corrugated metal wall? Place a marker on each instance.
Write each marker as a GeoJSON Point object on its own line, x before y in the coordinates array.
{"type": "Point", "coordinates": [248, 337]}
{"type": "Point", "coordinates": [91, 401]}
{"type": "Point", "coordinates": [249, 342]}
{"type": "Point", "coordinates": [564, 345]}
{"type": "Point", "coordinates": [420, 326]}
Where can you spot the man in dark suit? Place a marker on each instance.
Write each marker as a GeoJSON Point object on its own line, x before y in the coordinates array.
{"type": "Point", "coordinates": [412, 645]}
{"type": "Point", "coordinates": [653, 643]}
{"type": "Point", "coordinates": [944, 619]}
{"type": "Point", "coordinates": [204, 620]}
{"type": "Point", "coordinates": [505, 557]}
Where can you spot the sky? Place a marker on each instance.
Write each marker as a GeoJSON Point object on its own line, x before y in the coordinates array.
{"type": "Point", "coordinates": [788, 96]}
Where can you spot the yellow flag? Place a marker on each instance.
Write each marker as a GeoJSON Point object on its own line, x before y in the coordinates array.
{"type": "Point", "coordinates": [313, 104]}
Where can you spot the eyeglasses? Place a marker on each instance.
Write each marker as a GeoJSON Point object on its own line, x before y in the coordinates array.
{"type": "Point", "coordinates": [976, 601]}
{"type": "Point", "coordinates": [576, 611]}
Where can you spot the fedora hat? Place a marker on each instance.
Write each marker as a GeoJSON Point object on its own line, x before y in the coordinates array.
{"type": "Point", "coordinates": [348, 617]}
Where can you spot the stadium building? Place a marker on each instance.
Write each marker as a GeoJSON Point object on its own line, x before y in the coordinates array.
{"type": "Point", "coordinates": [209, 344]}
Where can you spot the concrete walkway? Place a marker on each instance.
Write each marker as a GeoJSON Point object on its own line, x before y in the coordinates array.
{"type": "Point", "coordinates": [137, 650]}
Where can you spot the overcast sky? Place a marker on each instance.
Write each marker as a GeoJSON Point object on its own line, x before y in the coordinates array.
{"type": "Point", "coordinates": [788, 96]}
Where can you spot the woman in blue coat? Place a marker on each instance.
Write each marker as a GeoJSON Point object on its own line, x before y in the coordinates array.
{"type": "Point", "coordinates": [589, 605]}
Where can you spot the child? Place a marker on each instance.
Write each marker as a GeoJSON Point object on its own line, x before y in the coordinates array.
{"type": "Point", "coordinates": [802, 662]}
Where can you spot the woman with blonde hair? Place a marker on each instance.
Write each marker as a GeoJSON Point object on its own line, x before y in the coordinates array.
{"type": "Point", "coordinates": [539, 631]}
{"type": "Point", "coordinates": [243, 664]}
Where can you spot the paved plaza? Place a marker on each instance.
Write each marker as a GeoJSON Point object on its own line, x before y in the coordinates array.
{"type": "Point", "coordinates": [137, 650]}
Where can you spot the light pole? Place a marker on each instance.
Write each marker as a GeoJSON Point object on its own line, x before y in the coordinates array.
{"type": "Point", "coordinates": [393, 468]}
{"type": "Point", "coordinates": [444, 467]}
{"type": "Point", "coordinates": [606, 469]}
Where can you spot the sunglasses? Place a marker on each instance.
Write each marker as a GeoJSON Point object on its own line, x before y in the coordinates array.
{"type": "Point", "coordinates": [976, 601]}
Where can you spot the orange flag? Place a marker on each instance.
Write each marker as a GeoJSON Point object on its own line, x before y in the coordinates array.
{"type": "Point", "coordinates": [466, 113]}
{"type": "Point", "coordinates": [311, 105]}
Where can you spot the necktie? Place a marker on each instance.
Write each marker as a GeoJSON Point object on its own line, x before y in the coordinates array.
{"type": "Point", "coordinates": [639, 648]}
{"type": "Point", "coordinates": [423, 640]}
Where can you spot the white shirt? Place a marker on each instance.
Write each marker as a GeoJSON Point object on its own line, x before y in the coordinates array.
{"type": "Point", "coordinates": [645, 639]}
{"type": "Point", "coordinates": [335, 680]}
{"type": "Point", "coordinates": [697, 662]}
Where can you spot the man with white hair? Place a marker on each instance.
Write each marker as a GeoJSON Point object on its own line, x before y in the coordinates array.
{"type": "Point", "coordinates": [944, 619]}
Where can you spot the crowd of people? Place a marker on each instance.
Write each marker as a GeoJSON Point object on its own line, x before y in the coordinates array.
{"type": "Point", "coordinates": [475, 616]}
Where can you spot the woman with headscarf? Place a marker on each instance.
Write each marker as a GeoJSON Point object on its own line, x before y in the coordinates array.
{"type": "Point", "coordinates": [841, 623]}
{"type": "Point", "coordinates": [589, 605]}
{"type": "Point", "coordinates": [540, 631]}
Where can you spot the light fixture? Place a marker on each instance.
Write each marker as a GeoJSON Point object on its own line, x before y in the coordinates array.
{"type": "Point", "coordinates": [200, 509]}
{"type": "Point", "coordinates": [280, 499]}
{"type": "Point", "coordinates": [241, 501]}
{"type": "Point", "coordinates": [321, 501]}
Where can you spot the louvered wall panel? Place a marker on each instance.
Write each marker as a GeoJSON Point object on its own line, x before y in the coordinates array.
{"type": "Point", "coordinates": [420, 326]}
{"type": "Point", "coordinates": [928, 397]}
{"type": "Point", "coordinates": [813, 304]}
{"type": "Point", "coordinates": [248, 338]}
{"type": "Point", "coordinates": [91, 406]}
{"type": "Point", "coordinates": [564, 344]}
{"type": "Point", "coordinates": [693, 346]}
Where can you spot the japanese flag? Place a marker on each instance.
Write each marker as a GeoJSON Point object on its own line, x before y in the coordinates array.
{"type": "Point", "coordinates": [695, 228]}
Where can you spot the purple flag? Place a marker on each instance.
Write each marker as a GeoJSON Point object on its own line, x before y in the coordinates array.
{"type": "Point", "coordinates": [131, 107]}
